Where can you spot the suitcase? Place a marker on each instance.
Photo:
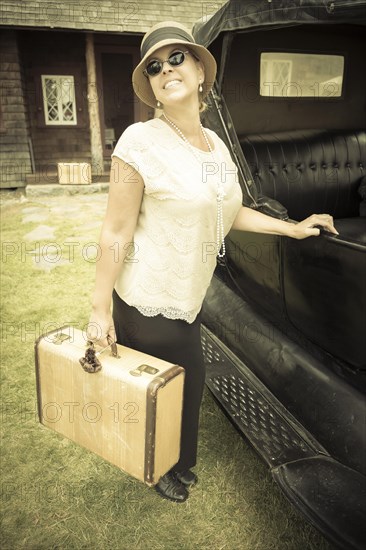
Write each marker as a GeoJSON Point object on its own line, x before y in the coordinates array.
{"type": "Point", "coordinates": [129, 412]}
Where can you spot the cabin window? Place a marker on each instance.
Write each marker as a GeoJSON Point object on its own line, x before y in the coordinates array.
{"type": "Point", "coordinates": [59, 100]}
{"type": "Point", "coordinates": [297, 75]}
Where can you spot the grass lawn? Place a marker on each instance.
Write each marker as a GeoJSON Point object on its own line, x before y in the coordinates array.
{"type": "Point", "coordinates": [55, 494]}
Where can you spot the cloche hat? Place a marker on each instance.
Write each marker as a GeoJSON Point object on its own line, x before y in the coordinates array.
{"type": "Point", "coordinates": [163, 34]}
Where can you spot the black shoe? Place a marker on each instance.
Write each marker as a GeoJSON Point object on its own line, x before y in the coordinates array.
{"type": "Point", "coordinates": [169, 487]}
{"type": "Point", "coordinates": [188, 478]}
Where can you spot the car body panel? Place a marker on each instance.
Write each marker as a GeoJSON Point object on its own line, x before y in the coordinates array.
{"type": "Point", "coordinates": [286, 319]}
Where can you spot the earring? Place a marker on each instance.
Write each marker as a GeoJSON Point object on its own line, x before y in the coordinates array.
{"type": "Point", "coordinates": [200, 89]}
{"type": "Point", "coordinates": [158, 104]}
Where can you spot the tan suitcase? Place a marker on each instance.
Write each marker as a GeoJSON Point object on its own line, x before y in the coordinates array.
{"type": "Point", "coordinates": [129, 412]}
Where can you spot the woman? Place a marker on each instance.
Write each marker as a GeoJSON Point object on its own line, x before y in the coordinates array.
{"type": "Point", "coordinates": [174, 195]}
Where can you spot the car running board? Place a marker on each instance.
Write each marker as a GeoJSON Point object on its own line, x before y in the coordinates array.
{"type": "Point", "coordinates": [330, 495]}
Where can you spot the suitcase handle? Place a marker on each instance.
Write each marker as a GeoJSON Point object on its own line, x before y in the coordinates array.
{"type": "Point", "coordinates": [90, 361]}
{"type": "Point", "coordinates": [112, 344]}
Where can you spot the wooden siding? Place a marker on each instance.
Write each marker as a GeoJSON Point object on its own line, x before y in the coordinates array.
{"type": "Point", "coordinates": [55, 53]}
{"type": "Point", "coordinates": [103, 16]}
{"type": "Point", "coordinates": [14, 131]}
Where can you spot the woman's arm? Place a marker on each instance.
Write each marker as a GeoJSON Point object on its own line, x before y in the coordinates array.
{"type": "Point", "coordinates": [252, 220]}
{"type": "Point", "coordinates": [126, 188]}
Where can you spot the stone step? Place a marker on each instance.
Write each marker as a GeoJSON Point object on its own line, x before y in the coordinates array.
{"type": "Point", "coordinates": [51, 178]}
{"type": "Point", "coordinates": [56, 189]}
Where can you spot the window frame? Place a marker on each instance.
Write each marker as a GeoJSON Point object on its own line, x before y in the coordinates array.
{"type": "Point", "coordinates": [80, 94]}
{"type": "Point", "coordinates": [58, 79]}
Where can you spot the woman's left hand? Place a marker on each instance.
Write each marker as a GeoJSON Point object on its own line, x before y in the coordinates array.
{"type": "Point", "coordinates": [308, 227]}
{"type": "Point", "coordinates": [248, 219]}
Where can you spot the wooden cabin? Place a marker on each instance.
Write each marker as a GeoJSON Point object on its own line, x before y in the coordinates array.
{"type": "Point", "coordinates": [65, 77]}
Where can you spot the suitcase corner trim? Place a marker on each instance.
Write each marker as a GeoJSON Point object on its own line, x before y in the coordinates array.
{"type": "Point", "coordinates": [151, 396]}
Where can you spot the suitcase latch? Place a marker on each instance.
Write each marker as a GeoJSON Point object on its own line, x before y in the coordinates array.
{"type": "Point", "coordinates": [59, 338]}
{"type": "Point", "coordinates": [144, 368]}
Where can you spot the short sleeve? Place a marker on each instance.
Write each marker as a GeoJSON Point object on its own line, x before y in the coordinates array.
{"type": "Point", "coordinates": [135, 147]}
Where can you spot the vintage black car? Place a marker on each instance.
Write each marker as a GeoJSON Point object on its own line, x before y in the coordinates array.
{"type": "Point", "coordinates": [285, 321]}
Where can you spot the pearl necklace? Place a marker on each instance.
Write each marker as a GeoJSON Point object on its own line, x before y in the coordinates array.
{"type": "Point", "coordinates": [220, 234]}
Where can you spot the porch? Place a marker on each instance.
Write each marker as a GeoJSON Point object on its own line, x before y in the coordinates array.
{"type": "Point", "coordinates": [66, 97]}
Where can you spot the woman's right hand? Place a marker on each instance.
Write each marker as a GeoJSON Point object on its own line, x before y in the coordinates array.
{"type": "Point", "coordinates": [99, 327]}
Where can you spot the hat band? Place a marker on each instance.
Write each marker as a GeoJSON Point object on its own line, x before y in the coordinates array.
{"type": "Point", "coordinates": [163, 34]}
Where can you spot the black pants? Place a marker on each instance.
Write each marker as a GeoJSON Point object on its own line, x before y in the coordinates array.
{"type": "Point", "coordinates": [178, 342]}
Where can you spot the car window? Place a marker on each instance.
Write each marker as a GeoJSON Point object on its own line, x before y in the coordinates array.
{"type": "Point", "coordinates": [298, 75]}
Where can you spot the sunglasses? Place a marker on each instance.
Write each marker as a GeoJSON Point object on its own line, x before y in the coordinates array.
{"type": "Point", "coordinates": [155, 66]}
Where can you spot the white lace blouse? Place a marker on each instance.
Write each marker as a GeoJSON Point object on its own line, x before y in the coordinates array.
{"type": "Point", "coordinates": [170, 265]}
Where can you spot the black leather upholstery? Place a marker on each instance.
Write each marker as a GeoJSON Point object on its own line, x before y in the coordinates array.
{"type": "Point", "coordinates": [320, 283]}
{"type": "Point", "coordinates": [309, 171]}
